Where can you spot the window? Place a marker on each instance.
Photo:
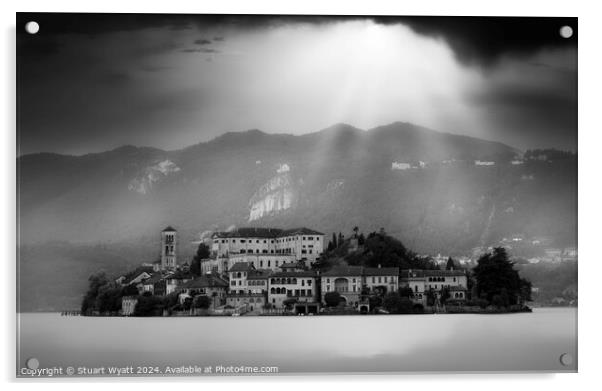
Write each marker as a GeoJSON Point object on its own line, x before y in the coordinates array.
{"type": "Point", "coordinates": [242, 240]}
{"type": "Point", "coordinates": [303, 251]}
{"type": "Point", "coordinates": [302, 282]}
{"type": "Point", "coordinates": [308, 282]}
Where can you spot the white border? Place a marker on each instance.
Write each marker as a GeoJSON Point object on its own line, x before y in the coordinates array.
{"type": "Point", "coordinates": [590, 144]}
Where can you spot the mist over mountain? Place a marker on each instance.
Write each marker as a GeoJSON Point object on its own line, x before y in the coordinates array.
{"type": "Point", "coordinates": [422, 186]}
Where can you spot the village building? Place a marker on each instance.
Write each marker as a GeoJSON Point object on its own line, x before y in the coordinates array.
{"type": "Point", "coordinates": [351, 282]}
{"type": "Point", "coordinates": [209, 285]}
{"type": "Point", "coordinates": [135, 277]}
{"type": "Point", "coordinates": [346, 280]}
{"type": "Point", "coordinates": [247, 301]}
{"type": "Point", "coordinates": [248, 287]}
{"type": "Point", "coordinates": [168, 249]}
{"type": "Point", "coordinates": [128, 305]}
{"type": "Point", "coordinates": [381, 280]}
{"type": "Point", "coordinates": [174, 280]}
{"type": "Point", "coordinates": [423, 281]}
{"type": "Point", "coordinates": [148, 285]}
{"type": "Point", "coordinates": [297, 288]}
{"type": "Point", "coordinates": [266, 248]}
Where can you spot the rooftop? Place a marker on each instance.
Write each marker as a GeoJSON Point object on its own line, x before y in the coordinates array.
{"type": "Point", "coordinates": [169, 228]}
{"type": "Point", "coordinates": [344, 271]}
{"type": "Point", "coordinates": [259, 274]}
{"type": "Point", "coordinates": [207, 281]}
{"type": "Point", "coordinates": [431, 273]}
{"type": "Point", "coordinates": [242, 267]}
{"type": "Point", "coordinates": [180, 275]}
{"type": "Point", "coordinates": [305, 273]}
{"type": "Point", "coordinates": [381, 271]}
{"type": "Point", "coordinates": [156, 277]}
{"type": "Point", "coordinates": [265, 233]}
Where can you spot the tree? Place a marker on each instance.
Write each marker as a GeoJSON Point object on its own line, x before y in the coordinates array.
{"type": "Point", "coordinates": [201, 301]}
{"type": "Point", "coordinates": [396, 304]}
{"type": "Point", "coordinates": [375, 301]}
{"type": "Point", "coordinates": [202, 252]}
{"type": "Point", "coordinates": [406, 291]}
{"type": "Point", "coordinates": [340, 239]}
{"type": "Point", "coordinates": [187, 304]}
{"type": "Point", "coordinates": [450, 264]}
{"type": "Point", "coordinates": [361, 239]}
{"type": "Point", "coordinates": [334, 241]}
{"type": "Point", "coordinates": [268, 306]}
{"type": "Point", "coordinates": [171, 300]}
{"type": "Point", "coordinates": [445, 295]}
{"type": "Point", "coordinates": [495, 276]}
{"type": "Point", "coordinates": [95, 282]}
{"type": "Point", "coordinates": [431, 297]}
{"type": "Point", "coordinates": [332, 299]}
{"type": "Point", "coordinates": [129, 290]}
{"type": "Point", "coordinates": [149, 306]}
{"type": "Point", "coordinates": [288, 303]}
{"type": "Point", "coordinates": [108, 299]}
{"type": "Point", "coordinates": [355, 231]}
{"type": "Point", "coordinates": [330, 246]}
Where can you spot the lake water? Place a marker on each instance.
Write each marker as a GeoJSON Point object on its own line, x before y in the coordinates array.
{"type": "Point", "coordinates": [399, 343]}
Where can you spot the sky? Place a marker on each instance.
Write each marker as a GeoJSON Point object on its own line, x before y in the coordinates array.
{"type": "Point", "coordinates": [94, 82]}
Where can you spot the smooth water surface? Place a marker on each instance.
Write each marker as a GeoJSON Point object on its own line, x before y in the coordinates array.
{"type": "Point", "coordinates": [463, 342]}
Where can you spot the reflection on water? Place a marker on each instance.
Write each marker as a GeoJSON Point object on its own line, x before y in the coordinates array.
{"type": "Point", "coordinates": [462, 342]}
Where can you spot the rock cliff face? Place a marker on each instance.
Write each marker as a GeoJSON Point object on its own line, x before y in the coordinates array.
{"type": "Point", "coordinates": [143, 183]}
{"type": "Point", "coordinates": [274, 196]}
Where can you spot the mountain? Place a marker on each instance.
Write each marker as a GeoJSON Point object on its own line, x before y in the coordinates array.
{"type": "Point", "coordinates": [421, 185]}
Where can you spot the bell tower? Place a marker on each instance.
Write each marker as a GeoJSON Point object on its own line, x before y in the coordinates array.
{"type": "Point", "coordinates": [168, 249]}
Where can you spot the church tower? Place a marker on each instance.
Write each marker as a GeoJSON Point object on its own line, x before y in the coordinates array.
{"type": "Point", "coordinates": [168, 249]}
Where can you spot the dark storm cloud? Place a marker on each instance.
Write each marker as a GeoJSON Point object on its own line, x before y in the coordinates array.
{"type": "Point", "coordinates": [484, 40]}
{"type": "Point", "coordinates": [93, 79]}
{"type": "Point", "coordinates": [481, 40]}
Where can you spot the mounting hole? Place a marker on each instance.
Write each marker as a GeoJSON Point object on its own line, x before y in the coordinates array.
{"type": "Point", "coordinates": [33, 363]}
{"type": "Point", "coordinates": [566, 359]}
{"type": "Point", "coordinates": [32, 27]}
{"type": "Point", "coordinates": [566, 31]}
